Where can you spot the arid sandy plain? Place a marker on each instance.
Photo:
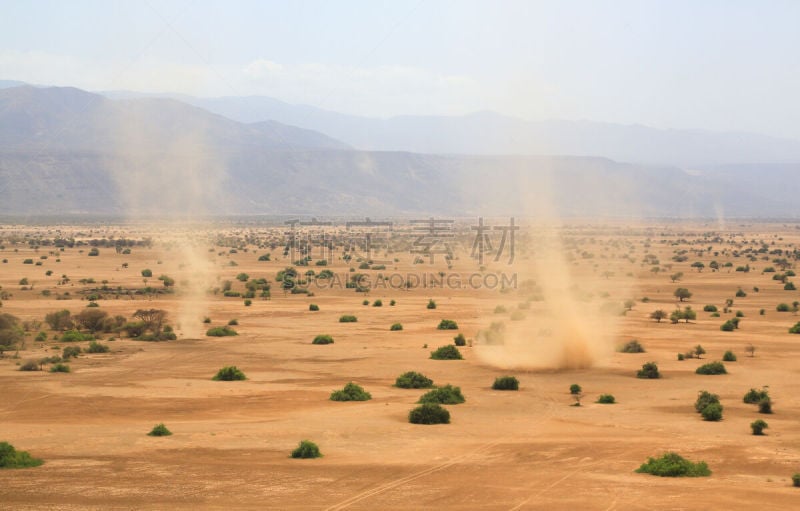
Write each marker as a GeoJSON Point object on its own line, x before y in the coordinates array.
{"type": "Point", "coordinates": [528, 449]}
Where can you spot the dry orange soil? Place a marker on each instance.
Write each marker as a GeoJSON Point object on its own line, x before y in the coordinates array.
{"type": "Point", "coordinates": [502, 450]}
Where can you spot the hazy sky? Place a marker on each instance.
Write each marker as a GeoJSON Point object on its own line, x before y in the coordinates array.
{"type": "Point", "coordinates": [729, 65]}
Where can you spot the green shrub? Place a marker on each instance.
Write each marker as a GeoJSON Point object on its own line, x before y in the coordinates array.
{"type": "Point", "coordinates": [59, 368]}
{"type": "Point", "coordinates": [783, 307]}
{"type": "Point", "coordinates": [758, 426]}
{"type": "Point", "coordinates": [796, 479]}
{"type": "Point", "coordinates": [41, 337]}
{"type": "Point", "coordinates": [789, 286]}
{"type": "Point", "coordinates": [12, 458]}
{"type": "Point", "coordinates": [429, 413]}
{"type": "Point", "coordinates": [505, 383]}
{"type": "Point", "coordinates": [160, 430]}
{"type": "Point", "coordinates": [365, 302]}
{"type": "Point", "coordinates": [413, 380]}
{"type": "Point", "coordinates": [753, 396]}
{"type": "Point", "coordinates": [632, 347]}
{"type": "Point", "coordinates": [728, 326]}
{"type": "Point", "coordinates": [96, 347]}
{"type": "Point", "coordinates": [313, 307]}
{"type": "Point", "coordinates": [351, 392]}
{"type": "Point", "coordinates": [711, 368]}
{"type": "Point", "coordinates": [729, 356]}
{"type": "Point", "coordinates": [447, 324]}
{"type": "Point", "coordinates": [649, 370]}
{"type": "Point", "coordinates": [674, 465]}
{"type": "Point", "coordinates": [30, 365]}
{"type": "Point", "coordinates": [322, 339]}
{"type": "Point", "coordinates": [606, 399]}
{"type": "Point", "coordinates": [705, 398]}
{"type": "Point", "coordinates": [347, 318]}
{"type": "Point", "coordinates": [396, 327]}
{"type": "Point", "coordinates": [70, 352]}
{"type": "Point", "coordinates": [447, 395]}
{"type": "Point", "coordinates": [575, 389]}
{"type": "Point", "coordinates": [248, 302]}
{"type": "Point", "coordinates": [229, 373]}
{"type": "Point", "coordinates": [306, 450]}
{"type": "Point", "coordinates": [460, 340]}
{"type": "Point", "coordinates": [431, 304]}
{"type": "Point", "coordinates": [795, 329]}
{"type": "Point", "coordinates": [75, 336]}
{"type": "Point", "coordinates": [710, 308]}
{"type": "Point", "coordinates": [233, 322]}
{"type": "Point", "coordinates": [765, 405]}
{"type": "Point", "coordinates": [147, 273]}
{"type": "Point", "coordinates": [377, 303]}
{"type": "Point", "coordinates": [221, 331]}
{"type": "Point", "coordinates": [206, 320]}
{"type": "Point", "coordinates": [712, 412]}
{"type": "Point", "coordinates": [392, 303]}
{"type": "Point", "coordinates": [447, 352]}
{"type": "Point", "coordinates": [680, 356]}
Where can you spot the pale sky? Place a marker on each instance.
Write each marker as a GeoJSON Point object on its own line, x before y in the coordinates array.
{"type": "Point", "coordinates": [724, 65]}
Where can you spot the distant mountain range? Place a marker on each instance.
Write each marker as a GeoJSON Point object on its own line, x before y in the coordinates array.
{"type": "Point", "coordinates": [68, 151]}
{"type": "Point", "coordinates": [489, 133]}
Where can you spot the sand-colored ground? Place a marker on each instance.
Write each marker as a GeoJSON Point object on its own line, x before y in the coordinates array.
{"type": "Point", "coordinates": [503, 450]}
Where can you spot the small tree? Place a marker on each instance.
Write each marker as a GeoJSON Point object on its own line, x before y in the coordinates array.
{"type": "Point", "coordinates": [431, 304]}
{"type": "Point", "coordinates": [658, 315]}
{"type": "Point", "coordinates": [699, 350]}
{"type": "Point", "coordinates": [306, 450]}
{"type": "Point", "coordinates": [682, 294]}
{"type": "Point", "coordinates": [649, 370]}
{"type": "Point", "coordinates": [729, 356]}
{"type": "Point", "coordinates": [758, 426]}
{"type": "Point", "coordinates": [712, 412]}
{"type": "Point", "coordinates": [575, 389]}
{"type": "Point", "coordinates": [705, 398]}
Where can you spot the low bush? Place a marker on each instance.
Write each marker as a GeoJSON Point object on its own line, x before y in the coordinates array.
{"type": "Point", "coordinates": [712, 412]}
{"type": "Point", "coordinates": [431, 304]}
{"type": "Point", "coordinates": [460, 340]}
{"type": "Point", "coordinates": [12, 458]}
{"type": "Point", "coordinates": [396, 327]}
{"type": "Point", "coordinates": [229, 373]}
{"type": "Point", "coordinates": [233, 322]}
{"type": "Point", "coordinates": [96, 347]}
{"type": "Point", "coordinates": [447, 324]}
{"type": "Point", "coordinates": [729, 356]}
{"type": "Point", "coordinates": [377, 303]}
{"type": "Point", "coordinates": [632, 347]}
{"type": "Point", "coordinates": [30, 365]}
{"type": "Point", "coordinates": [447, 395]}
{"type": "Point", "coordinates": [351, 392]}
{"type": "Point", "coordinates": [221, 331]}
{"type": "Point", "coordinates": [606, 399]}
{"type": "Point", "coordinates": [796, 480]}
{"type": "Point", "coordinates": [429, 413]}
{"type": "Point", "coordinates": [795, 329]}
{"type": "Point", "coordinates": [322, 339]}
{"type": "Point", "coordinates": [160, 430]}
{"type": "Point", "coordinates": [674, 465]}
{"type": "Point", "coordinates": [59, 368]}
{"type": "Point", "coordinates": [711, 368]}
{"type": "Point", "coordinates": [765, 405]}
{"type": "Point", "coordinates": [347, 318]}
{"type": "Point", "coordinates": [705, 398]}
{"type": "Point", "coordinates": [783, 307]}
{"type": "Point", "coordinates": [505, 383]}
{"type": "Point", "coordinates": [75, 336]}
{"type": "Point", "coordinates": [758, 427]}
{"type": "Point", "coordinates": [413, 380]}
{"type": "Point", "coordinates": [447, 352]}
{"type": "Point", "coordinates": [753, 396]}
{"type": "Point", "coordinates": [728, 326]}
{"type": "Point", "coordinates": [649, 370]}
{"type": "Point", "coordinates": [70, 352]}
{"type": "Point", "coordinates": [710, 308]}
{"type": "Point", "coordinates": [306, 450]}
{"type": "Point", "coordinates": [313, 307]}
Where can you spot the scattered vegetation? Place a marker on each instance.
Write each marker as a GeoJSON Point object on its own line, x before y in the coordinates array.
{"type": "Point", "coordinates": [159, 430]}
{"type": "Point", "coordinates": [306, 450]}
{"type": "Point", "coordinates": [12, 458]}
{"type": "Point", "coordinates": [221, 331]}
{"type": "Point", "coordinates": [429, 413]}
{"type": "Point", "coordinates": [447, 352]}
{"type": "Point", "coordinates": [674, 465]}
{"type": "Point", "coordinates": [229, 373]}
{"type": "Point", "coordinates": [505, 383]}
{"type": "Point", "coordinates": [711, 368]}
{"type": "Point", "coordinates": [413, 380]}
{"type": "Point", "coordinates": [351, 392]}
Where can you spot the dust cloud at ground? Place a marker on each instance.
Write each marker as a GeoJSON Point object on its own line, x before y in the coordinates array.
{"type": "Point", "coordinates": [567, 322]}
{"type": "Point", "coordinates": [174, 188]}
